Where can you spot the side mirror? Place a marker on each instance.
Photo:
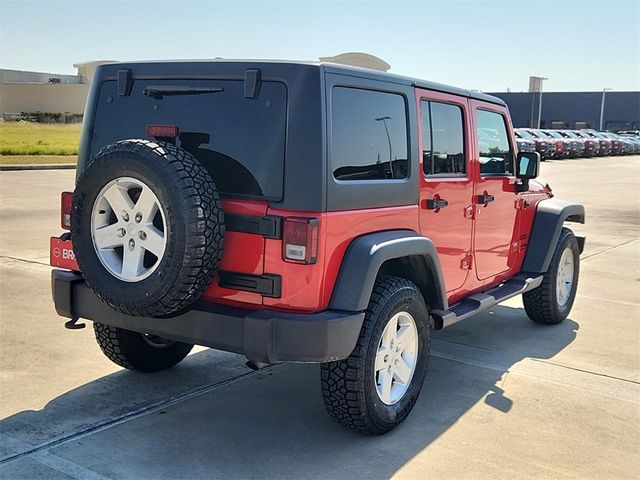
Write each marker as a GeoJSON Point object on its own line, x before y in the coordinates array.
{"type": "Point", "coordinates": [527, 167]}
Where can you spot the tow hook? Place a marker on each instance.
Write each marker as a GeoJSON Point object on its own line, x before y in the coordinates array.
{"type": "Point", "coordinates": [73, 324]}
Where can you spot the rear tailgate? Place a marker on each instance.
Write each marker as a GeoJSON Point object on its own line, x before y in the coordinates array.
{"type": "Point", "coordinates": [235, 129]}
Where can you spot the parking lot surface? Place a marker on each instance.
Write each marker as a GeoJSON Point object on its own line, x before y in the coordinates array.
{"type": "Point", "coordinates": [504, 398]}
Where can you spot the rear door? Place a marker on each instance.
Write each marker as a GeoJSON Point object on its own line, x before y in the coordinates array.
{"type": "Point", "coordinates": [446, 185]}
{"type": "Point", "coordinates": [494, 193]}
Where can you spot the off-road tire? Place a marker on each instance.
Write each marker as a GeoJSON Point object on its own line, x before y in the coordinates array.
{"type": "Point", "coordinates": [542, 304]}
{"type": "Point", "coordinates": [348, 386]}
{"type": "Point", "coordinates": [194, 224]}
{"type": "Point", "coordinates": [130, 350]}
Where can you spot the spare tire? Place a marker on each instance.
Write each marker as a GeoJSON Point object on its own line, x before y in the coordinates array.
{"type": "Point", "coordinates": [147, 227]}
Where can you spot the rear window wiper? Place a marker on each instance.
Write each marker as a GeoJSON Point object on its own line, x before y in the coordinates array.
{"type": "Point", "coordinates": [159, 92]}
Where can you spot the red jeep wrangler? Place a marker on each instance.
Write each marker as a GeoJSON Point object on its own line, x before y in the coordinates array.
{"type": "Point", "coordinates": [303, 212]}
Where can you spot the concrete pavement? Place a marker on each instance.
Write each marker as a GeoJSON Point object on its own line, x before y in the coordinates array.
{"type": "Point", "coordinates": [504, 398]}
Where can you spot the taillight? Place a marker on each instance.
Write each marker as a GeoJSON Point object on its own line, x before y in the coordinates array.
{"type": "Point", "coordinates": [66, 200]}
{"type": "Point", "coordinates": [162, 131]}
{"type": "Point", "coordinates": [300, 240]}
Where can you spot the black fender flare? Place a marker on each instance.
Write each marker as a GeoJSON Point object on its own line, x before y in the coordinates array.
{"type": "Point", "coordinates": [547, 225]}
{"type": "Point", "coordinates": [367, 253]}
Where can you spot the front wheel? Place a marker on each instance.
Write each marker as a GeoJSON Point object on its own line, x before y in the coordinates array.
{"type": "Point", "coordinates": [551, 302]}
{"type": "Point", "coordinates": [375, 388]}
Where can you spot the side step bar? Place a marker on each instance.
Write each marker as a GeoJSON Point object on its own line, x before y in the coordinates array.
{"type": "Point", "coordinates": [483, 301]}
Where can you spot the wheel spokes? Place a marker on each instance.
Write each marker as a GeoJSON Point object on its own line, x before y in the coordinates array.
{"type": "Point", "coordinates": [385, 379]}
{"type": "Point", "coordinates": [146, 206]}
{"type": "Point", "coordinates": [390, 331]}
{"type": "Point", "coordinates": [118, 198]}
{"type": "Point", "coordinates": [396, 357]}
{"type": "Point", "coordinates": [381, 359]}
{"type": "Point", "coordinates": [109, 236]}
{"type": "Point", "coordinates": [132, 261]}
{"type": "Point", "coordinates": [154, 241]}
{"type": "Point", "coordinates": [404, 337]}
{"type": "Point", "coordinates": [402, 370]}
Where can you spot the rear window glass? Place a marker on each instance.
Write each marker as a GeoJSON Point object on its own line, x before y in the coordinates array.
{"type": "Point", "coordinates": [368, 135]}
{"type": "Point", "coordinates": [241, 141]}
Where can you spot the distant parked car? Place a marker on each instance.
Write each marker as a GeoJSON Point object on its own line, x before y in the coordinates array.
{"type": "Point", "coordinates": [604, 142]}
{"type": "Point", "coordinates": [627, 147]}
{"type": "Point", "coordinates": [543, 147]}
{"type": "Point", "coordinates": [590, 146]}
{"type": "Point", "coordinates": [557, 145]}
{"type": "Point", "coordinates": [634, 136]}
{"type": "Point", "coordinates": [572, 148]}
{"type": "Point", "coordinates": [525, 144]}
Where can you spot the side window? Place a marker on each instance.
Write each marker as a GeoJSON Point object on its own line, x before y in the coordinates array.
{"type": "Point", "coordinates": [496, 155]}
{"type": "Point", "coordinates": [368, 135]}
{"type": "Point", "coordinates": [442, 139]}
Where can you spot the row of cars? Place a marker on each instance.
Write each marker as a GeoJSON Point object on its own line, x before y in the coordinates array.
{"type": "Point", "coordinates": [576, 143]}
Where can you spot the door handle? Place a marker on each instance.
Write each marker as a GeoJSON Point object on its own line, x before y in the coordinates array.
{"type": "Point", "coordinates": [484, 199]}
{"type": "Point", "coordinates": [436, 203]}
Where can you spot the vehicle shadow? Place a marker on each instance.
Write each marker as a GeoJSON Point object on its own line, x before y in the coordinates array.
{"type": "Point", "coordinates": [272, 424]}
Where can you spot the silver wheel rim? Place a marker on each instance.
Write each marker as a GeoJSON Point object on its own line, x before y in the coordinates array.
{"type": "Point", "coordinates": [396, 358]}
{"type": "Point", "coordinates": [564, 279]}
{"type": "Point", "coordinates": [128, 229]}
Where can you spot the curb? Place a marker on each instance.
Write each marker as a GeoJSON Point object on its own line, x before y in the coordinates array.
{"type": "Point", "coordinates": [44, 166]}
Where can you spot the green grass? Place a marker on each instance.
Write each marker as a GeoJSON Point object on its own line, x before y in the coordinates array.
{"type": "Point", "coordinates": [36, 159]}
{"type": "Point", "coordinates": [28, 138]}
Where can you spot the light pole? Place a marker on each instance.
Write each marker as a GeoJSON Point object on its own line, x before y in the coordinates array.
{"type": "Point", "coordinates": [540, 100]}
{"type": "Point", "coordinates": [384, 122]}
{"type": "Point", "coordinates": [604, 91]}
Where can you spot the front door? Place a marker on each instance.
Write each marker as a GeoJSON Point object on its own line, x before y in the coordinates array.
{"type": "Point", "coordinates": [446, 185]}
{"type": "Point", "coordinates": [494, 196]}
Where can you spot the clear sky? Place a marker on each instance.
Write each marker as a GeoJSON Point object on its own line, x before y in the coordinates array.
{"type": "Point", "coordinates": [484, 45]}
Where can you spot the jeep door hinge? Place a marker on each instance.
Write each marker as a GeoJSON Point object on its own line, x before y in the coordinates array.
{"type": "Point", "coordinates": [521, 203]}
{"type": "Point", "coordinates": [469, 212]}
{"type": "Point", "coordinates": [467, 262]}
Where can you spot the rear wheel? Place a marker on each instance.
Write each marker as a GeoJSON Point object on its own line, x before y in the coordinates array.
{"type": "Point", "coordinates": [139, 351]}
{"type": "Point", "coordinates": [551, 302]}
{"type": "Point", "coordinates": [375, 388]}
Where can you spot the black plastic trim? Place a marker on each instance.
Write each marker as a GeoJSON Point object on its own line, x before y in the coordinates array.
{"type": "Point", "coordinates": [365, 256]}
{"type": "Point", "coordinates": [262, 335]}
{"type": "Point", "coordinates": [125, 81]}
{"type": "Point", "coordinates": [266, 285]}
{"type": "Point", "coordinates": [547, 225]}
{"type": "Point", "coordinates": [252, 82]}
{"type": "Point", "coordinates": [269, 226]}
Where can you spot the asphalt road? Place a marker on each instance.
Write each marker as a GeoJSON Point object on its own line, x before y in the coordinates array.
{"type": "Point", "coordinates": [504, 398]}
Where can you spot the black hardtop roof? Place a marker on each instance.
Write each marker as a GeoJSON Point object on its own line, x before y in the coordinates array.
{"type": "Point", "coordinates": [332, 68]}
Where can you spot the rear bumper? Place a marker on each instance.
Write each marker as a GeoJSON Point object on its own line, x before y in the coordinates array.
{"type": "Point", "coordinates": [261, 335]}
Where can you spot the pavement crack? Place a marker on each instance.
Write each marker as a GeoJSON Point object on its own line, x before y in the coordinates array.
{"type": "Point", "coordinates": [586, 371]}
{"type": "Point", "coordinates": [608, 249]}
{"type": "Point", "coordinates": [462, 344]}
{"type": "Point", "coordinates": [35, 262]}
{"type": "Point", "coordinates": [120, 419]}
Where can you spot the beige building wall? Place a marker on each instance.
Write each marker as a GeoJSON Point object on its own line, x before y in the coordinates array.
{"type": "Point", "coordinates": [54, 98]}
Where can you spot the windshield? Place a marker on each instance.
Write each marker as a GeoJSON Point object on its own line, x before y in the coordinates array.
{"type": "Point", "coordinates": [584, 134]}
{"type": "Point", "coordinates": [569, 134]}
{"type": "Point", "coordinates": [539, 134]}
{"type": "Point", "coordinates": [523, 134]}
{"type": "Point", "coordinates": [554, 134]}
